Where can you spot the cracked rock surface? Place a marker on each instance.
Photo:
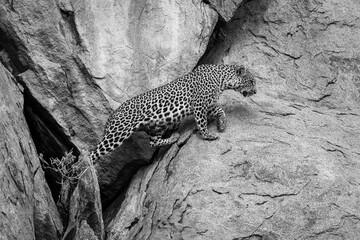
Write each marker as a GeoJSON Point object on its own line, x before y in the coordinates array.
{"type": "Point", "coordinates": [27, 210]}
{"type": "Point", "coordinates": [286, 167]}
{"type": "Point", "coordinates": [288, 164]}
{"type": "Point", "coordinates": [225, 8]}
{"type": "Point", "coordinates": [270, 175]}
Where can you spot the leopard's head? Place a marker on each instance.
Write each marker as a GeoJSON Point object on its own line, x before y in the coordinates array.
{"type": "Point", "coordinates": [242, 81]}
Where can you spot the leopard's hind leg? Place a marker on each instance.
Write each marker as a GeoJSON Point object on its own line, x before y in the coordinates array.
{"type": "Point", "coordinates": [116, 132]}
{"type": "Point", "coordinates": [111, 141]}
{"type": "Point", "coordinates": [157, 140]}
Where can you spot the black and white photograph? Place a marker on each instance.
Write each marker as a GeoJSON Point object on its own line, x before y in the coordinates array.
{"type": "Point", "coordinates": [179, 120]}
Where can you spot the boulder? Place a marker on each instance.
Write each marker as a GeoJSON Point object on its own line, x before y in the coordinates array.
{"type": "Point", "coordinates": [27, 209]}
{"type": "Point", "coordinates": [287, 165]}
{"type": "Point", "coordinates": [84, 206]}
{"type": "Point", "coordinates": [134, 46]}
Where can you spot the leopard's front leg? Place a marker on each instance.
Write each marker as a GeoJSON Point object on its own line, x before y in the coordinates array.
{"type": "Point", "coordinates": [218, 113]}
{"type": "Point", "coordinates": [201, 121]}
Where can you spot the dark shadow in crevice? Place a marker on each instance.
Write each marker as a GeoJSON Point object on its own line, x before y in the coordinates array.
{"type": "Point", "coordinates": [123, 179]}
{"type": "Point", "coordinates": [48, 137]}
{"type": "Point", "coordinates": [125, 176]}
{"type": "Point", "coordinates": [225, 33]}
{"type": "Point", "coordinates": [122, 164]}
{"type": "Point", "coordinates": [216, 38]}
{"type": "Point", "coordinates": [11, 53]}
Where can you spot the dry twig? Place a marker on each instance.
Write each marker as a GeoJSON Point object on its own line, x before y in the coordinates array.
{"type": "Point", "coordinates": [68, 167]}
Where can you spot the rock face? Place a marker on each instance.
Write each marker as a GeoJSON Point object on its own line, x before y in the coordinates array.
{"type": "Point", "coordinates": [225, 8]}
{"type": "Point", "coordinates": [287, 165]}
{"type": "Point", "coordinates": [134, 46]}
{"type": "Point", "coordinates": [27, 208]}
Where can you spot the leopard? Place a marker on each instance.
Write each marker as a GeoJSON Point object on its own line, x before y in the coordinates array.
{"type": "Point", "coordinates": [163, 108]}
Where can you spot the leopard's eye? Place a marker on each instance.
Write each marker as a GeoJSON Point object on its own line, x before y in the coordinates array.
{"type": "Point", "coordinates": [241, 70]}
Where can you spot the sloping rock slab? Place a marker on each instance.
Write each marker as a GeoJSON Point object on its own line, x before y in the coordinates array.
{"type": "Point", "coordinates": [276, 173]}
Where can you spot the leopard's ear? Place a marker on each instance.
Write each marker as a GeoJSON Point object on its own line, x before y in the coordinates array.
{"type": "Point", "coordinates": [240, 71]}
